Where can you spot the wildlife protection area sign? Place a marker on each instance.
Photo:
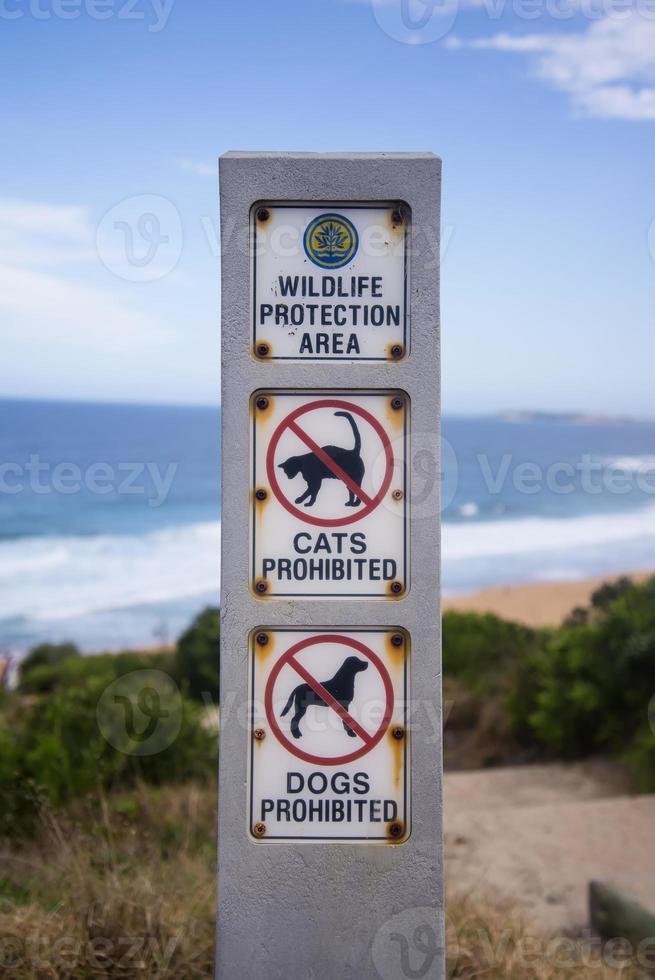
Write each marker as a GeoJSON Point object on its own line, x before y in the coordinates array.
{"type": "Point", "coordinates": [328, 757]}
{"type": "Point", "coordinates": [329, 282]}
{"type": "Point", "coordinates": [329, 495]}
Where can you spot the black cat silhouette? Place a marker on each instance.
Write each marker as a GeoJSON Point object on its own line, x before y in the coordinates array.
{"type": "Point", "coordinates": [314, 471]}
{"type": "Point", "coordinates": [341, 687]}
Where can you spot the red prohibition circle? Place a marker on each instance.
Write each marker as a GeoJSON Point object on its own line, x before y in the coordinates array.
{"type": "Point", "coordinates": [297, 511]}
{"type": "Point", "coordinates": [294, 748]}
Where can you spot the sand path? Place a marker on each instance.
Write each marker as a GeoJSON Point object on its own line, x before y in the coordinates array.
{"type": "Point", "coordinates": [538, 834]}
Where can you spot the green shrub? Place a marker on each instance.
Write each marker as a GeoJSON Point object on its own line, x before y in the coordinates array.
{"type": "Point", "coordinates": [593, 681]}
{"type": "Point", "coordinates": [482, 651]}
{"type": "Point", "coordinates": [104, 721]}
{"type": "Point", "coordinates": [580, 689]}
{"type": "Point", "coordinates": [46, 656]}
{"type": "Point", "coordinates": [90, 735]}
{"type": "Point", "coordinates": [196, 660]}
{"type": "Point", "coordinates": [640, 758]}
{"type": "Point", "coordinates": [564, 706]}
{"type": "Point", "coordinates": [18, 793]}
{"type": "Point", "coordinates": [73, 671]}
{"type": "Point", "coordinates": [605, 595]}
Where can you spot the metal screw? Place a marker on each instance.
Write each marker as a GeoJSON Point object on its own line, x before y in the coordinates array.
{"type": "Point", "coordinates": [397, 217]}
{"type": "Point", "coordinates": [263, 350]}
{"type": "Point", "coordinates": [261, 494]}
{"type": "Point", "coordinates": [261, 586]}
{"type": "Point", "coordinates": [396, 587]}
{"type": "Point", "coordinates": [263, 214]}
{"type": "Point", "coordinates": [397, 640]}
{"type": "Point", "coordinates": [259, 734]}
{"type": "Point", "coordinates": [262, 639]}
{"type": "Point", "coordinates": [259, 829]}
{"type": "Point", "coordinates": [262, 403]}
{"type": "Point", "coordinates": [397, 403]}
{"type": "Point", "coordinates": [396, 829]}
{"type": "Point", "coordinates": [396, 732]}
{"type": "Point", "coordinates": [397, 495]}
{"type": "Point", "coordinates": [397, 351]}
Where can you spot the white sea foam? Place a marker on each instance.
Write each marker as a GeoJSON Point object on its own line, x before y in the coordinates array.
{"type": "Point", "coordinates": [70, 577]}
{"type": "Point", "coordinates": [60, 579]}
{"type": "Point", "coordinates": [541, 535]}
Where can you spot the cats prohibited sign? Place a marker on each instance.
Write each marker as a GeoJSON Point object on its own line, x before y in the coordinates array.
{"type": "Point", "coordinates": [329, 494]}
{"type": "Point", "coordinates": [329, 736]}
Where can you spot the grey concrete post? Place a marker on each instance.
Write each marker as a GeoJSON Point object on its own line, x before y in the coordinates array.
{"type": "Point", "coordinates": [331, 911]}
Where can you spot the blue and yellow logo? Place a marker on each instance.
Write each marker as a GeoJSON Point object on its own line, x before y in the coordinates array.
{"type": "Point", "coordinates": [331, 241]}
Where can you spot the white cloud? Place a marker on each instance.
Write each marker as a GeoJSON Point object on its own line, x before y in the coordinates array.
{"type": "Point", "coordinates": [44, 306]}
{"type": "Point", "coordinates": [61, 220]}
{"type": "Point", "coordinates": [65, 305]}
{"type": "Point", "coordinates": [198, 168]}
{"type": "Point", "coordinates": [607, 70]}
{"type": "Point", "coordinates": [35, 234]}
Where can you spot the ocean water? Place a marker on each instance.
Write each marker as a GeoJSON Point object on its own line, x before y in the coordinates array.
{"type": "Point", "coordinates": [110, 514]}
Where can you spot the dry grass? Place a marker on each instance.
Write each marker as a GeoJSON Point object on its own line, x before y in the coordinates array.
{"type": "Point", "coordinates": [492, 940]}
{"type": "Point", "coordinates": [124, 887]}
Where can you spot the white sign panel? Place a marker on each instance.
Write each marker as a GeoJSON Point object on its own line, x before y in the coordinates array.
{"type": "Point", "coordinates": [328, 757]}
{"type": "Point", "coordinates": [329, 495]}
{"type": "Point", "coordinates": [329, 282]}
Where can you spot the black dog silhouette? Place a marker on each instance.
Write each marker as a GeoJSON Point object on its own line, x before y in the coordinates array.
{"type": "Point", "coordinates": [314, 471]}
{"type": "Point", "coordinates": [341, 687]}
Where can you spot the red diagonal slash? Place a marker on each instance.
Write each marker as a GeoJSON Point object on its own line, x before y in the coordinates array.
{"type": "Point", "coordinates": [318, 688]}
{"type": "Point", "coordinates": [331, 465]}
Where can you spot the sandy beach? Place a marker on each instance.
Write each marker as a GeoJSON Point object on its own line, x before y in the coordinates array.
{"type": "Point", "coordinates": [536, 604]}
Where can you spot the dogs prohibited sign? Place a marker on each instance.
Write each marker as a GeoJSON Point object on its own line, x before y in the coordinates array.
{"type": "Point", "coordinates": [329, 495]}
{"type": "Point", "coordinates": [329, 746]}
{"type": "Point", "coordinates": [329, 283]}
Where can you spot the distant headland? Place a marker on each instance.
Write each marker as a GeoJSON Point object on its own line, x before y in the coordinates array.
{"type": "Point", "coordinates": [568, 418]}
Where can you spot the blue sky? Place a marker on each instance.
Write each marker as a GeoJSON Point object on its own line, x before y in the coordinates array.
{"type": "Point", "coordinates": [542, 110]}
